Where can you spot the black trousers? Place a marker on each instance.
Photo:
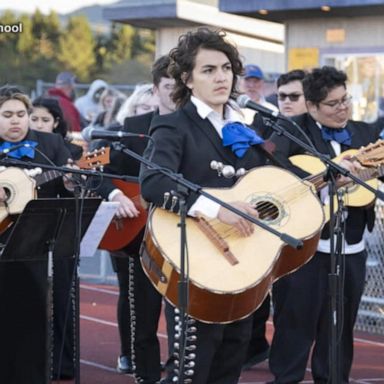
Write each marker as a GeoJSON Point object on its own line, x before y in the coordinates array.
{"type": "Point", "coordinates": [259, 342]}
{"type": "Point", "coordinates": [63, 318]}
{"type": "Point", "coordinates": [220, 350]}
{"type": "Point", "coordinates": [138, 316]}
{"type": "Point", "coordinates": [24, 334]}
{"type": "Point", "coordinates": [23, 322]}
{"type": "Point", "coordinates": [302, 319]}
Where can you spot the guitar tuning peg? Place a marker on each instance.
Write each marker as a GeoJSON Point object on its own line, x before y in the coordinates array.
{"type": "Point", "coordinates": [166, 198]}
{"type": "Point", "coordinates": [174, 202]}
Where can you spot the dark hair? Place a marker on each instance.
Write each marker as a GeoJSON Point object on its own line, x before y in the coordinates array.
{"type": "Point", "coordinates": [294, 75]}
{"type": "Point", "coordinates": [117, 103]}
{"type": "Point", "coordinates": [12, 92]}
{"type": "Point", "coordinates": [160, 69]}
{"type": "Point", "coordinates": [53, 107]}
{"type": "Point", "coordinates": [183, 59]}
{"type": "Point", "coordinates": [320, 81]}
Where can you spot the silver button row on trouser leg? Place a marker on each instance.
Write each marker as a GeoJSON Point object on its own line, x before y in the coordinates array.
{"type": "Point", "coordinates": [190, 346]}
{"type": "Point", "coordinates": [132, 311]}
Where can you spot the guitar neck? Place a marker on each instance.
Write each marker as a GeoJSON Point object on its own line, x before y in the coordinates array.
{"type": "Point", "coordinates": [363, 174]}
{"type": "Point", "coordinates": [46, 176]}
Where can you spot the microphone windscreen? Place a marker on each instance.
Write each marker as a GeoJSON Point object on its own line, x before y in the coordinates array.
{"type": "Point", "coordinates": [242, 101]}
{"type": "Point", "coordinates": [86, 133]}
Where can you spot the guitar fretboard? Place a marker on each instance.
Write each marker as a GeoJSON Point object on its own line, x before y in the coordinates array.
{"type": "Point", "coordinates": [364, 174]}
{"type": "Point", "coordinates": [47, 176]}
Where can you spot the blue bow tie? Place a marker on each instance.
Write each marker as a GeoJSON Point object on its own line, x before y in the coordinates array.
{"type": "Point", "coordinates": [27, 149]}
{"type": "Point", "coordinates": [239, 137]}
{"type": "Point", "coordinates": [342, 136]}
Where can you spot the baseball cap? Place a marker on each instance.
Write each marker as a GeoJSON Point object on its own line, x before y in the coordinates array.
{"type": "Point", "coordinates": [253, 71]}
{"type": "Point", "coordinates": [65, 78]}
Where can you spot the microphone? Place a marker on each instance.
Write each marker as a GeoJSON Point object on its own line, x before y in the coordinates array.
{"type": "Point", "coordinates": [5, 152]}
{"type": "Point", "coordinates": [245, 102]}
{"type": "Point", "coordinates": [92, 133]}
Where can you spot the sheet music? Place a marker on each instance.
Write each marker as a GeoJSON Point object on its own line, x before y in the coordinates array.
{"type": "Point", "coordinates": [97, 228]}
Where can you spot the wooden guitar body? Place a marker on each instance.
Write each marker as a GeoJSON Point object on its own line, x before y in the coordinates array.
{"type": "Point", "coordinates": [354, 195]}
{"type": "Point", "coordinates": [122, 231]}
{"type": "Point", "coordinates": [221, 291]}
{"type": "Point", "coordinates": [20, 189]}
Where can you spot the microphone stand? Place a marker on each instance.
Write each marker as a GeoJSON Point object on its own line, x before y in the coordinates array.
{"type": "Point", "coordinates": [63, 169]}
{"type": "Point", "coordinates": [185, 187]}
{"type": "Point", "coordinates": [335, 223]}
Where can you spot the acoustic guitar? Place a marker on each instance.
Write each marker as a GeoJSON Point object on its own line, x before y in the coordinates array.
{"type": "Point", "coordinates": [229, 275]}
{"type": "Point", "coordinates": [354, 195]}
{"type": "Point", "coordinates": [122, 231]}
{"type": "Point", "coordinates": [20, 184]}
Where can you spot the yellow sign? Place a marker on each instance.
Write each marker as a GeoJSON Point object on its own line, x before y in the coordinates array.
{"type": "Point", "coordinates": [303, 58]}
{"type": "Point", "coordinates": [335, 35]}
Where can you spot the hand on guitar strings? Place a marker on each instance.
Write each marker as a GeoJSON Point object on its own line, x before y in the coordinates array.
{"type": "Point", "coordinates": [352, 166]}
{"type": "Point", "coordinates": [126, 208]}
{"type": "Point", "coordinates": [71, 181]}
{"type": "Point", "coordinates": [244, 226]}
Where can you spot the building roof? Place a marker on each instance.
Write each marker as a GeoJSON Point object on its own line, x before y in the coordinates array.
{"type": "Point", "coordinates": [282, 10]}
{"type": "Point", "coordinates": [155, 14]}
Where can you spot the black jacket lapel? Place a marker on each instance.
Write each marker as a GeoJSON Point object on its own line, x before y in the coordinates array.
{"type": "Point", "coordinates": [207, 128]}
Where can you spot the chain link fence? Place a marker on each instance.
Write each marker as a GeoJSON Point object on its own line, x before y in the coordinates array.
{"type": "Point", "coordinates": [43, 86]}
{"type": "Point", "coordinates": [371, 312]}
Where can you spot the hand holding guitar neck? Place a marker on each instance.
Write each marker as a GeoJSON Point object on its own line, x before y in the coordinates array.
{"type": "Point", "coordinates": [368, 165]}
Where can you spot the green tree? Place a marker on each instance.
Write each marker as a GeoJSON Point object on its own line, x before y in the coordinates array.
{"type": "Point", "coordinates": [8, 18]}
{"type": "Point", "coordinates": [53, 27]}
{"type": "Point", "coordinates": [76, 48]}
{"type": "Point", "coordinates": [26, 41]}
{"type": "Point", "coordinates": [121, 42]}
{"type": "Point", "coordinates": [113, 48]}
{"type": "Point", "coordinates": [123, 54]}
{"type": "Point", "coordinates": [143, 43]}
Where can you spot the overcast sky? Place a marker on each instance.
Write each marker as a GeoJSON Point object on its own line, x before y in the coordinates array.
{"type": "Point", "coordinates": [60, 6]}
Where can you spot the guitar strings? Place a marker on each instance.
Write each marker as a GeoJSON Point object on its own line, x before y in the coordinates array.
{"type": "Point", "coordinates": [266, 208]}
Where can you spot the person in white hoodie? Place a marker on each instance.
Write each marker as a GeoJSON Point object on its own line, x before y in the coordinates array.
{"type": "Point", "coordinates": [88, 105]}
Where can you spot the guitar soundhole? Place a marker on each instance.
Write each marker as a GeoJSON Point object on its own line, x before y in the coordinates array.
{"type": "Point", "coordinates": [267, 210]}
{"type": "Point", "coordinates": [7, 192]}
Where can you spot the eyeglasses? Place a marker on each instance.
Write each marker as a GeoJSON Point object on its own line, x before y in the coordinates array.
{"type": "Point", "coordinates": [291, 96]}
{"type": "Point", "coordinates": [345, 101]}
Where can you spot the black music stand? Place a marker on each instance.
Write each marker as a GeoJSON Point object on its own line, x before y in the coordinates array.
{"type": "Point", "coordinates": [43, 236]}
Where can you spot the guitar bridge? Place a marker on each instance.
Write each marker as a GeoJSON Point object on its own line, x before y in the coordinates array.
{"type": "Point", "coordinates": [216, 239]}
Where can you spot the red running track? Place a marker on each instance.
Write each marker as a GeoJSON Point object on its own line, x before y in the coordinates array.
{"type": "Point", "coordinates": [99, 345]}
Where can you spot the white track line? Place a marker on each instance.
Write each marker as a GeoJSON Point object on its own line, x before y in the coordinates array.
{"type": "Point", "coordinates": [101, 366]}
{"type": "Point", "coordinates": [114, 324]}
{"type": "Point", "coordinates": [113, 292]}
